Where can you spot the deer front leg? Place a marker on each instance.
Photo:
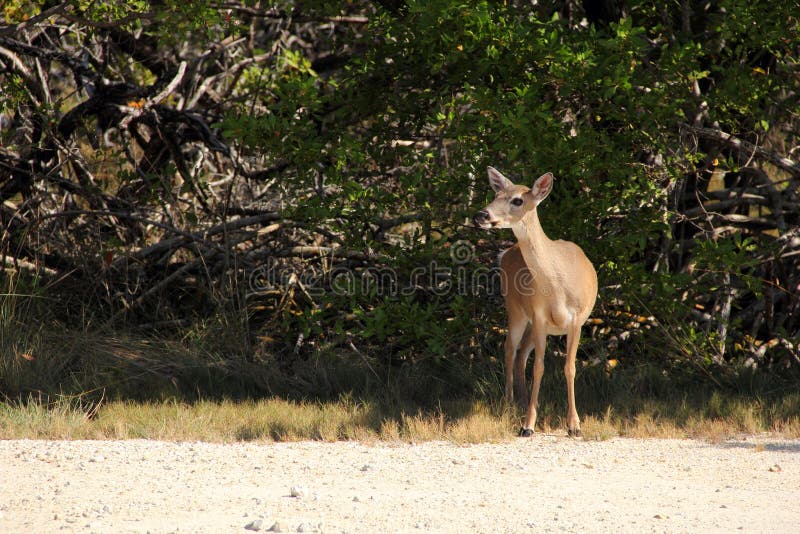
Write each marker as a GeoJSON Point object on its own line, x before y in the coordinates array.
{"type": "Point", "coordinates": [540, 341]}
{"type": "Point", "coordinates": [520, 389]}
{"type": "Point", "coordinates": [516, 329]}
{"type": "Point", "coordinates": [573, 421]}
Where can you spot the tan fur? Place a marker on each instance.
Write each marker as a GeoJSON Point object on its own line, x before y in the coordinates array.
{"type": "Point", "coordinates": [549, 288]}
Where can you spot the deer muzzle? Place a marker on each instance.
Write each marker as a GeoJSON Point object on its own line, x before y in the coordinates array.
{"type": "Point", "coordinates": [483, 219]}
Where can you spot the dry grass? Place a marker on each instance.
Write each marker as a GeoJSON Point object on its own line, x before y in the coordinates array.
{"type": "Point", "coordinates": [265, 420]}
{"type": "Point", "coordinates": [69, 366]}
{"type": "Point", "coordinates": [75, 368]}
{"type": "Point", "coordinates": [459, 422]}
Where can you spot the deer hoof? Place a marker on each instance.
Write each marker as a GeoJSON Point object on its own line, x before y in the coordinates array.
{"type": "Point", "coordinates": [525, 432]}
{"type": "Point", "coordinates": [574, 433]}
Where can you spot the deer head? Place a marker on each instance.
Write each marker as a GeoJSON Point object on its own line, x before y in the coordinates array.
{"type": "Point", "coordinates": [513, 202]}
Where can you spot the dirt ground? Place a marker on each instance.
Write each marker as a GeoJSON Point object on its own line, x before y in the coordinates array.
{"type": "Point", "coordinates": [543, 484]}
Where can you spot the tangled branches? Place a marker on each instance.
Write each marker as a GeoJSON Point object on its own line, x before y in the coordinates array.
{"type": "Point", "coordinates": [113, 170]}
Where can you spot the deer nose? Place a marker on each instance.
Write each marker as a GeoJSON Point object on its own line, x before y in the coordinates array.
{"type": "Point", "coordinates": [480, 217]}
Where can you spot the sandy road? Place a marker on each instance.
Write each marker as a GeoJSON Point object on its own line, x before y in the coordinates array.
{"type": "Point", "coordinates": [544, 484]}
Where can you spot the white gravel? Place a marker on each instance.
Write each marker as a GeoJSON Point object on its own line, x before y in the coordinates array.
{"type": "Point", "coordinates": [544, 484]}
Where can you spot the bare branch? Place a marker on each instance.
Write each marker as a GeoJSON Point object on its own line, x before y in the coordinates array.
{"type": "Point", "coordinates": [740, 145]}
{"type": "Point", "coordinates": [60, 9]}
{"type": "Point", "coordinates": [164, 93]}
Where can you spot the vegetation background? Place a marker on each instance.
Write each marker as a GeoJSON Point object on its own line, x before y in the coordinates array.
{"type": "Point", "coordinates": [239, 199]}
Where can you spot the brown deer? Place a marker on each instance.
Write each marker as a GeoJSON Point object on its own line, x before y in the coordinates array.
{"type": "Point", "coordinates": [550, 286]}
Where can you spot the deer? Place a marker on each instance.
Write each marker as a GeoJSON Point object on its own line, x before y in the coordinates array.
{"type": "Point", "coordinates": [549, 288]}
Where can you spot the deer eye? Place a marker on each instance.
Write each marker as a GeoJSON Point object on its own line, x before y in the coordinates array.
{"type": "Point", "coordinates": [516, 201]}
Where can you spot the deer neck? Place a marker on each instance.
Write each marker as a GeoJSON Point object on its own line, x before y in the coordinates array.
{"type": "Point", "coordinates": [533, 243]}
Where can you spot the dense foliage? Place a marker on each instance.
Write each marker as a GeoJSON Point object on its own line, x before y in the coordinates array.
{"type": "Point", "coordinates": [313, 165]}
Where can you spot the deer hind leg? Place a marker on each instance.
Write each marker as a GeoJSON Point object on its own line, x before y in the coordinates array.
{"type": "Point", "coordinates": [573, 421]}
{"type": "Point", "coordinates": [516, 330]}
{"type": "Point", "coordinates": [520, 389]}
{"type": "Point", "coordinates": [539, 337]}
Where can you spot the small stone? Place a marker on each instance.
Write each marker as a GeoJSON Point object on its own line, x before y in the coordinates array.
{"type": "Point", "coordinates": [775, 469]}
{"type": "Point", "coordinates": [277, 526]}
{"type": "Point", "coordinates": [366, 467]}
{"type": "Point", "coordinates": [255, 525]}
{"type": "Point", "coordinates": [302, 527]}
{"type": "Point", "coordinates": [299, 492]}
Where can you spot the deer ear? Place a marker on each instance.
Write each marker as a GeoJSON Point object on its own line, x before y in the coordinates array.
{"type": "Point", "coordinates": [497, 180]}
{"type": "Point", "coordinates": [542, 187]}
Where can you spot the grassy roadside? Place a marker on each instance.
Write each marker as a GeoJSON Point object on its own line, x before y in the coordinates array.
{"type": "Point", "coordinates": [204, 383]}
{"type": "Point", "coordinates": [123, 388]}
{"type": "Point", "coordinates": [263, 420]}
{"type": "Point", "coordinates": [346, 419]}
